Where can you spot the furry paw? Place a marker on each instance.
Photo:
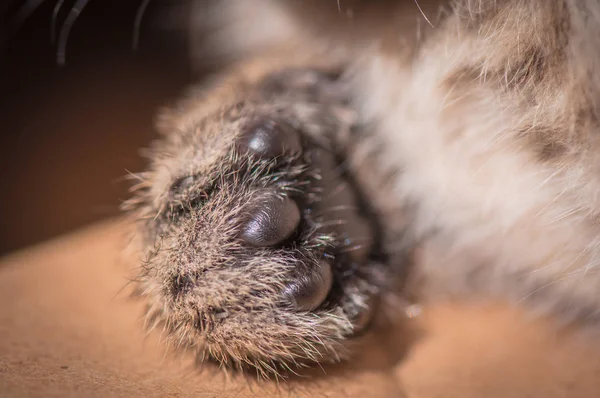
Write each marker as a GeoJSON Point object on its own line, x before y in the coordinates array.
{"type": "Point", "coordinates": [260, 247]}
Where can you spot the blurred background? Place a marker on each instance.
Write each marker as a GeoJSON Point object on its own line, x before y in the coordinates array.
{"type": "Point", "coordinates": [69, 134]}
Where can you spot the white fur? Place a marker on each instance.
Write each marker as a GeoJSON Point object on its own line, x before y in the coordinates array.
{"type": "Point", "coordinates": [492, 217]}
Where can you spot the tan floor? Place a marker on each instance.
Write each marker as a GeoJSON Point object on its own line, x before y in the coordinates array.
{"type": "Point", "coordinates": [67, 328]}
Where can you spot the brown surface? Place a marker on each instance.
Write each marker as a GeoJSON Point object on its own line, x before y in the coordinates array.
{"type": "Point", "coordinates": [68, 329]}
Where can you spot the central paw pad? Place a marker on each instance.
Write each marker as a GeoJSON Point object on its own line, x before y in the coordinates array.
{"type": "Point", "coordinates": [271, 221]}
{"type": "Point", "coordinates": [310, 291]}
{"type": "Point", "coordinates": [324, 207]}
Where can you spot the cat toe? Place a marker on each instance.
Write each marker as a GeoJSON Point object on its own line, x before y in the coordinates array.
{"type": "Point", "coordinates": [269, 138]}
{"type": "Point", "coordinates": [308, 292]}
{"type": "Point", "coordinates": [271, 221]}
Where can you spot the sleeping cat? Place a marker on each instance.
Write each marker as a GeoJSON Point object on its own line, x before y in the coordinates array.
{"type": "Point", "coordinates": [358, 151]}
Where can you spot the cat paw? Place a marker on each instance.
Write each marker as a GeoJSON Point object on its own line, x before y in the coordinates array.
{"type": "Point", "coordinates": [260, 248]}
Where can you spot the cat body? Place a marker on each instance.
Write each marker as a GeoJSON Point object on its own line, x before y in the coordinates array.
{"type": "Point", "coordinates": [468, 135]}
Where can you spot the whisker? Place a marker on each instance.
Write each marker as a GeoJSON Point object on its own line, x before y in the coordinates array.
{"type": "Point", "coordinates": [138, 22]}
{"type": "Point", "coordinates": [54, 20]}
{"type": "Point", "coordinates": [422, 13]}
{"type": "Point", "coordinates": [66, 29]}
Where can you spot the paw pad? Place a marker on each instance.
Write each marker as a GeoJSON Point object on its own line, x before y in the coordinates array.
{"type": "Point", "coordinates": [268, 138]}
{"type": "Point", "coordinates": [271, 222]}
{"type": "Point", "coordinates": [310, 291]}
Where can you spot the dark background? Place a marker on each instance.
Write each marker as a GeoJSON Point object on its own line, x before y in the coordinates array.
{"type": "Point", "coordinates": [69, 134]}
